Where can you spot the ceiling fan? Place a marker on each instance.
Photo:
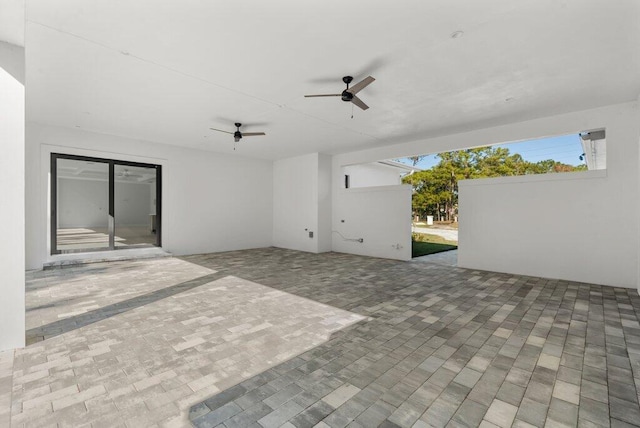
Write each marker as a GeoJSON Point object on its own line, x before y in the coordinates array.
{"type": "Point", "coordinates": [349, 94]}
{"type": "Point", "coordinates": [126, 174]}
{"type": "Point", "coordinates": [238, 135]}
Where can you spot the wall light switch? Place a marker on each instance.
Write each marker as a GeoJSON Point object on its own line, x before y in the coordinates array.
{"type": "Point", "coordinates": [310, 234]}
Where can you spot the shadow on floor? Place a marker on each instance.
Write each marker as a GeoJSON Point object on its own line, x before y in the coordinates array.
{"type": "Point", "coordinates": [439, 346]}
{"type": "Point", "coordinates": [71, 323]}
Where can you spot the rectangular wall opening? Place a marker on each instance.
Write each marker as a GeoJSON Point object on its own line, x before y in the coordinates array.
{"type": "Point", "coordinates": [103, 204]}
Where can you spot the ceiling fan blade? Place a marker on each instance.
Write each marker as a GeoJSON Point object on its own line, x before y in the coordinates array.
{"type": "Point", "coordinates": [323, 95]}
{"type": "Point", "coordinates": [361, 85]}
{"type": "Point", "coordinates": [220, 130]}
{"type": "Point", "coordinates": [251, 134]}
{"type": "Point", "coordinates": [357, 101]}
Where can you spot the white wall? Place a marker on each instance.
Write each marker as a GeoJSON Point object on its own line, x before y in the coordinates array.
{"type": "Point", "coordinates": [381, 216]}
{"type": "Point", "coordinates": [576, 226]}
{"type": "Point", "coordinates": [597, 220]}
{"type": "Point", "coordinates": [295, 203]}
{"type": "Point", "coordinates": [302, 203]}
{"type": "Point", "coordinates": [371, 175]}
{"type": "Point", "coordinates": [132, 201]}
{"type": "Point", "coordinates": [82, 203]}
{"type": "Point", "coordinates": [324, 204]}
{"type": "Point", "coordinates": [545, 228]}
{"type": "Point", "coordinates": [12, 170]}
{"type": "Point", "coordinates": [638, 197]}
{"type": "Point", "coordinates": [211, 202]}
{"type": "Point", "coordinates": [85, 203]}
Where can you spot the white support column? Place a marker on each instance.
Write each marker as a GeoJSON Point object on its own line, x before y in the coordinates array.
{"type": "Point", "coordinates": [638, 196]}
{"type": "Point", "coordinates": [12, 186]}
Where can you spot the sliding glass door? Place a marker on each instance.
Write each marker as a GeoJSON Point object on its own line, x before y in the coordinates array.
{"type": "Point", "coordinates": [83, 205]}
{"type": "Point", "coordinates": [102, 204]}
{"type": "Point", "coordinates": [135, 206]}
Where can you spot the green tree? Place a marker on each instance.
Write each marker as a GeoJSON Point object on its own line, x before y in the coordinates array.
{"type": "Point", "coordinates": [435, 190]}
{"type": "Point", "coordinates": [415, 160]}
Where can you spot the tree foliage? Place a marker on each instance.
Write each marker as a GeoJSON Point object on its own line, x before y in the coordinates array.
{"type": "Point", "coordinates": [436, 189]}
{"type": "Point", "coordinates": [416, 159]}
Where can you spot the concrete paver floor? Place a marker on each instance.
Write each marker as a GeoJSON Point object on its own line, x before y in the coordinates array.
{"type": "Point", "coordinates": [445, 258]}
{"type": "Point", "coordinates": [273, 337]}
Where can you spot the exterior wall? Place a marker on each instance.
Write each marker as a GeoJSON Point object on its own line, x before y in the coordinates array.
{"type": "Point", "coordinates": [543, 228]}
{"type": "Point", "coordinates": [295, 203]}
{"type": "Point", "coordinates": [381, 216]}
{"type": "Point", "coordinates": [210, 202]}
{"type": "Point", "coordinates": [371, 175]}
{"type": "Point", "coordinates": [595, 152]}
{"type": "Point", "coordinates": [594, 217]}
{"type": "Point", "coordinates": [578, 226]}
{"type": "Point", "coordinates": [12, 170]}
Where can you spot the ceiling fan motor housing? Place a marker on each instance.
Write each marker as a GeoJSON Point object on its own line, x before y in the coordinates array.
{"type": "Point", "coordinates": [238, 135]}
{"type": "Point", "coordinates": [347, 96]}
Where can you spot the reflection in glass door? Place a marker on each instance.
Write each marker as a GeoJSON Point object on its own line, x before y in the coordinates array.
{"type": "Point", "coordinates": [103, 204]}
{"type": "Point", "coordinates": [135, 206]}
{"type": "Point", "coordinates": [82, 206]}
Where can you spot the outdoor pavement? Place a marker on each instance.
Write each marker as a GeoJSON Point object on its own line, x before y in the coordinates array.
{"type": "Point", "coordinates": [444, 258]}
{"type": "Point", "coordinates": [448, 234]}
{"type": "Point", "coordinates": [273, 337]}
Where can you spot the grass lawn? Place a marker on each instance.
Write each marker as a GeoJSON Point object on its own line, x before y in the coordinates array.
{"type": "Point", "coordinates": [430, 244]}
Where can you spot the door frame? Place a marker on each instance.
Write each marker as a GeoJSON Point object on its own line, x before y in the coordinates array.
{"type": "Point", "coordinates": [111, 182]}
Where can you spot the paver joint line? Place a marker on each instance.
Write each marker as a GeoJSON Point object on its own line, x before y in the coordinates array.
{"type": "Point", "coordinates": [273, 337]}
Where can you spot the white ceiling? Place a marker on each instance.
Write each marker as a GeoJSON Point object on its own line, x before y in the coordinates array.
{"type": "Point", "coordinates": [166, 71]}
{"type": "Point", "coordinates": [12, 21]}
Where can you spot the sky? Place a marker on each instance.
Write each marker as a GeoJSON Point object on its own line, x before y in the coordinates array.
{"type": "Point", "coordinates": [565, 148]}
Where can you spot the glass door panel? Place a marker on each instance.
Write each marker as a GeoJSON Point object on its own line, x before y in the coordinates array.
{"type": "Point", "coordinates": [104, 204]}
{"type": "Point", "coordinates": [82, 205]}
{"type": "Point", "coordinates": [135, 202]}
